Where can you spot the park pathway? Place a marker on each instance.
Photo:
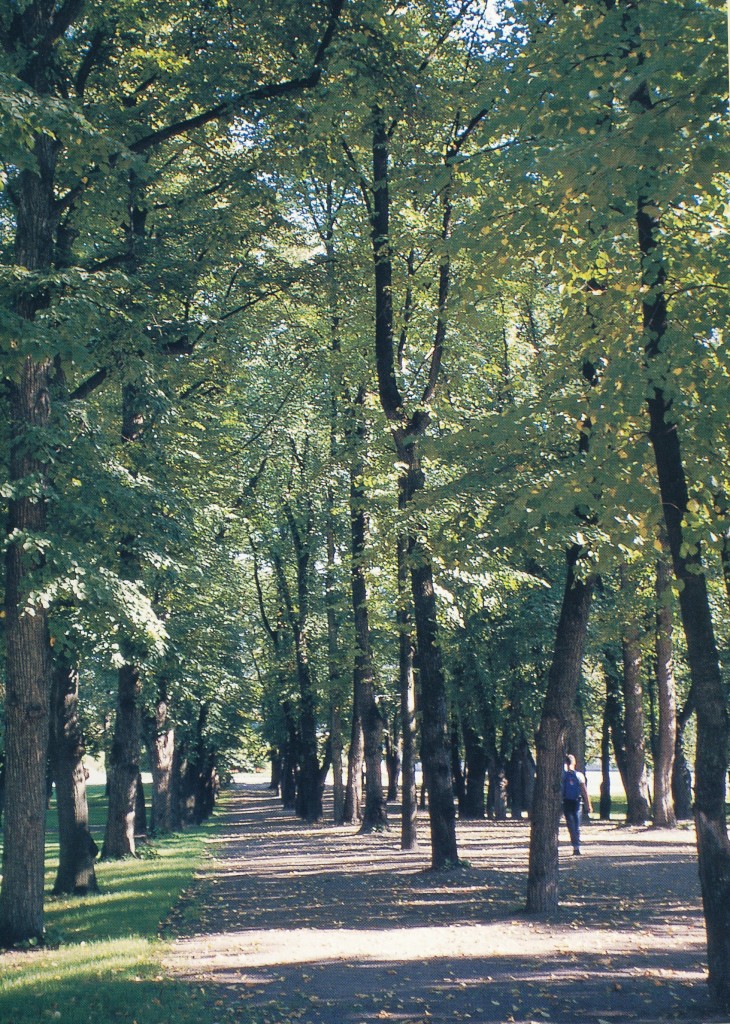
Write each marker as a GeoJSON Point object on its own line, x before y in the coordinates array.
{"type": "Point", "coordinates": [322, 926]}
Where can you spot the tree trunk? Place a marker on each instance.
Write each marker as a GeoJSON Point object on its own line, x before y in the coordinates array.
{"type": "Point", "coordinates": [27, 645]}
{"type": "Point", "coordinates": [434, 715]}
{"type": "Point", "coordinates": [472, 805]}
{"type": "Point", "coordinates": [353, 793]}
{"type": "Point", "coordinates": [407, 694]}
{"type": "Point", "coordinates": [77, 849]}
{"type": "Point", "coordinates": [520, 776]}
{"type": "Point", "coordinates": [290, 760]}
{"type": "Point", "coordinates": [407, 433]}
{"type": "Point", "coordinates": [392, 763]}
{"type": "Point", "coordinates": [275, 776]}
{"type": "Point", "coordinates": [375, 814]}
{"type": "Point", "coordinates": [337, 748]}
{"type": "Point", "coordinates": [681, 774]}
{"type": "Point", "coordinates": [124, 768]}
{"type": "Point", "coordinates": [179, 767]}
{"type": "Point", "coordinates": [457, 771]}
{"type": "Point", "coordinates": [124, 762]}
{"type": "Point", "coordinates": [309, 794]}
{"type": "Point", "coordinates": [614, 714]}
{"type": "Point", "coordinates": [335, 661]}
{"type": "Point", "coordinates": [708, 687]}
{"type": "Point", "coordinates": [497, 801]}
{"type": "Point", "coordinates": [664, 816]}
{"type": "Point", "coordinates": [562, 688]}
{"type": "Point", "coordinates": [140, 811]}
{"type": "Point", "coordinates": [160, 738]}
{"type": "Point", "coordinates": [604, 807]}
{"type": "Point", "coordinates": [637, 789]}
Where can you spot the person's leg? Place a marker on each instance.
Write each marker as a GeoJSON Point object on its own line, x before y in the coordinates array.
{"type": "Point", "coordinates": [571, 809]}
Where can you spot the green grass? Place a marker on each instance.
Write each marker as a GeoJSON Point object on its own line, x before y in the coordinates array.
{"type": "Point", "coordinates": [102, 961]}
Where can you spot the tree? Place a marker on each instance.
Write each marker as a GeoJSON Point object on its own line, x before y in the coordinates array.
{"type": "Point", "coordinates": [48, 60]}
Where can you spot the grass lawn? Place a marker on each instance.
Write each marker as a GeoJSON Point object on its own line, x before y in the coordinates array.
{"type": "Point", "coordinates": [101, 962]}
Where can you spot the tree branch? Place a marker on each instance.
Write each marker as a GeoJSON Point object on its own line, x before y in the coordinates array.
{"type": "Point", "coordinates": [263, 92]}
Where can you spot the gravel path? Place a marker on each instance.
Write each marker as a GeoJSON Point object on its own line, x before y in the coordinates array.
{"type": "Point", "coordinates": [319, 925]}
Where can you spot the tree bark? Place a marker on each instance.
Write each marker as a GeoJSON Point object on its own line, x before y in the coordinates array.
{"type": "Point", "coordinates": [140, 811]}
{"type": "Point", "coordinates": [681, 774]}
{"type": "Point", "coordinates": [392, 762]}
{"type": "Point", "coordinates": [637, 790]}
{"type": "Point", "coordinates": [309, 794]}
{"type": "Point", "coordinates": [124, 762]}
{"type": "Point", "coordinates": [407, 694]}
{"type": "Point", "coordinates": [708, 687]}
{"type": "Point", "coordinates": [355, 755]}
{"type": "Point", "coordinates": [334, 676]}
{"type": "Point", "coordinates": [562, 688]}
{"type": "Point", "coordinates": [520, 780]}
{"type": "Point", "coordinates": [124, 759]}
{"type": "Point", "coordinates": [28, 662]}
{"type": "Point", "coordinates": [473, 805]}
{"type": "Point", "coordinates": [375, 813]}
{"type": "Point", "coordinates": [614, 713]}
{"type": "Point", "coordinates": [160, 738]}
{"type": "Point", "coordinates": [664, 816]}
{"type": "Point", "coordinates": [435, 745]}
{"type": "Point", "coordinates": [497, 799]}
{"type": "Point", "coordinates": [28, 676]}
{"type": "Point", "coordinates": [604, 807]}
{"type": "Point", "coordinates": [77, 849]}
{"type": "Point", "coordinates": [407, 433]}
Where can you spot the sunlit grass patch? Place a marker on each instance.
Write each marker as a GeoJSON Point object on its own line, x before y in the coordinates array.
{"type": "Point", "coordinates": [96, 983]}
{"type": "Point", "coordinates": [102, 959]}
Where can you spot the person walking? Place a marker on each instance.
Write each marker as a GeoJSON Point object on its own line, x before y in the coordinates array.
{"type": "Point", "coordinates": [575, 792]}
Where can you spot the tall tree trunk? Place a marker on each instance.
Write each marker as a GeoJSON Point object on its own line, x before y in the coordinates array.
{"type": "Point", "coordinates": [473, 804]}
{"type": "Point", "coordinates": [337, 748]}
{"type": "Point", "coordinates": [28, 662]}
{"type": "Point", "coordinates": [708, 687]}
{"type": "Point", "coordinates": [27, 684]}
{"type": "Point", "coordinates": [355, 755]}
{"type": "Point", "coordinates": [434, 715]}
{"type": "Point", "coordinates": [392, 761]}
{"type": "Point", "coordinates": [457, 771]}
{"type": "Point", "coordinates": [290, 760]}
{"type": "Point", "coordinates": [520, 776]}
{"type": "Point", "coordinates": [124, 768]}
{"type": "Point", "coordinates": [77, 849]}
{"type": "Point", "coordinates": [336, 687]}
{"type": "Point", "coordinates": [275, 770]}
{"type": "Point", "coordinates": [664, 816]}
{"type": "Point", "coordinates": [562, 688]}
{"type": "Point", "coordinates": [407, 433]}
{"type": "Point", "coordinates": [604, 806]}
{"type": "Point", "coordinates": [140, 811]}
{"type": "Point", "coordinates": [407, 694]}
{"type": "Point", "coordinates": [375, 813]}
{"type": "Point", "coordinates": [309, 794]}
{"type": "Point", "coordinates": [637, 788]}
{"type": "Point", "coordinates": [681, 774]}
{"type": "Point", "coordinates": [497, 801]}
{"type": "Point", "coordinates": [124, 762]}
{"type": "Point", "coordinates": [334, 675]}
{"type": "Point", "coordinates": [614, 713]}
{"type": "Point", "coordinates": [160, 739]}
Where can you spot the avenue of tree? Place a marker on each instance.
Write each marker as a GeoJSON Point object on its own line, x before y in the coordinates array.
{"type": "Point", "coordinates": [365, 401]}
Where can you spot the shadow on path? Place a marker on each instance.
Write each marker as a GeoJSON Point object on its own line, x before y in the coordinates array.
{"type": "Point", "coordinates": [320, 925]}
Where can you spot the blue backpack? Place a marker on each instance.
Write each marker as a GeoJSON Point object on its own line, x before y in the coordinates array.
{"type": "Point", "coordinates": [571, 785]}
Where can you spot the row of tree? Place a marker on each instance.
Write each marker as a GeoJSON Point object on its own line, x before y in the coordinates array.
{"type": "Point", "coordinates": [352, 351]}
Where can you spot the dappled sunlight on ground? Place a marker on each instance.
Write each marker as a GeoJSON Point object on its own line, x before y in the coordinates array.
{"type": "Point", "coordinates": [321, 925]}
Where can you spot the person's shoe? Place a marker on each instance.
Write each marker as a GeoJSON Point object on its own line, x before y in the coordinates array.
{"type": "Point", "coordinates": [576, 851]}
